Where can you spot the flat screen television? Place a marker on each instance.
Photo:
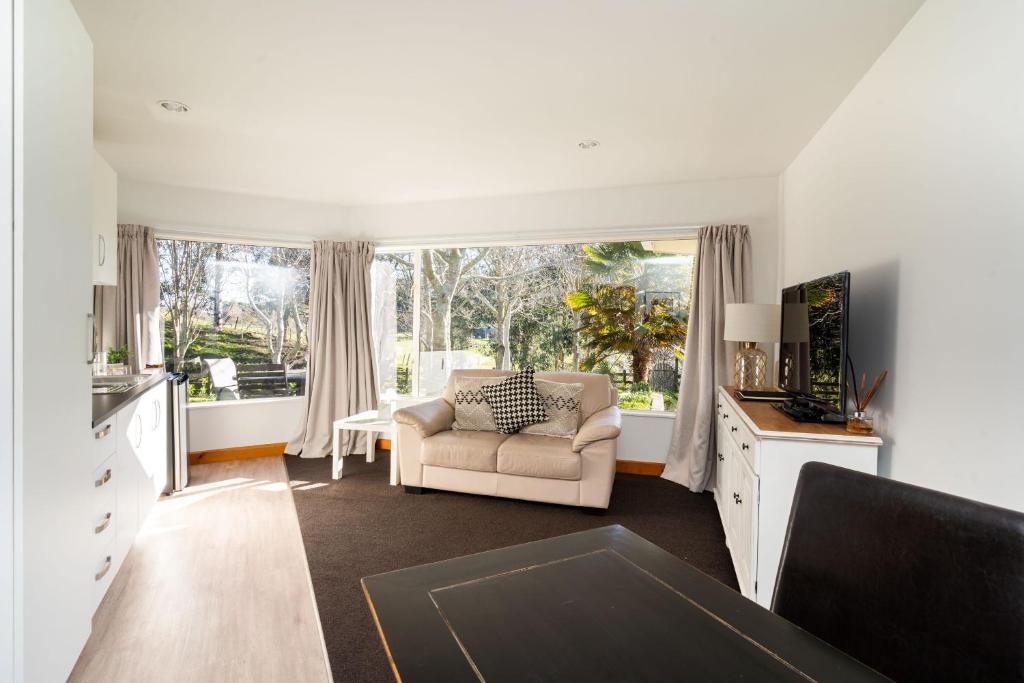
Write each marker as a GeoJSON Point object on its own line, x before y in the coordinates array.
{"type": "Point", "coordinates": [812, 352]}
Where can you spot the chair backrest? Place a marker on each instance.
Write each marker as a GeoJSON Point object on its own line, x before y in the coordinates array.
{"type": "Point", "coordinates": [598, 392]}
{"type": "Point", "coordinates": [223, 374]}
{"type": "Point", "coordinates": [919, 585]}
{"type": "Point", "coordinates": [263, 380]}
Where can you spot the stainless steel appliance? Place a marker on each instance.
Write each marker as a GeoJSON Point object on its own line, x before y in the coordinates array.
{"type": "Point", "coordinates": [177, 442]}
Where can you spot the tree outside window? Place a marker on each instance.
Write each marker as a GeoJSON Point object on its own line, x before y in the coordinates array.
{"type": "Point", "coordinates": [619, 308]}
{"type": "Point", "coordinates": [235, 317]}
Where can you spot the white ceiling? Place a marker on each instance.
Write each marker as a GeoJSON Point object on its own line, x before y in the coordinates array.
{"type": "Point", "coordinates": [379, 101]}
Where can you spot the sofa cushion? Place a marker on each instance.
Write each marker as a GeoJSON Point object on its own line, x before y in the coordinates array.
{"type": "Point", "coordinates": [515, 402]}
{"type": "Point", "coordinates": [462, 450]}
{"type": "Point", "coordinates": [562, 402]}
{"type": "Point", "coordinates": [472, 411]}
{"type": "Point", "coordinates": [533, 455]}
{"type": "Point", "coordinates": [598, 391]}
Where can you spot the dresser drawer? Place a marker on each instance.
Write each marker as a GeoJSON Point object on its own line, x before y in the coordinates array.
{"type": "Point", "coordinates": [104, 440]}
{"type": "Point", "coordinates": [737, 431]}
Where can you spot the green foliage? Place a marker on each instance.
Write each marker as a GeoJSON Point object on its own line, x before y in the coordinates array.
{"type": "Point", "coordinates": [120, 355]}
{"type": "Point", "coordinates": [616, 260]}
{"type": "Point", "coordinates": [635, 400]}
{"type": "Point", "coordinates": [671, 399]}
{"type": "Point", "coordinates": [611, 324]}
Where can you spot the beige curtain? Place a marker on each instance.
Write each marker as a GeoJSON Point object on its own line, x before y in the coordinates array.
{"type": "Point", "coordinates": [722, 276]}
{"type": "Point", "coordinates": [134, 305]}
{"type": "Point", "coordinates": [341, 377]}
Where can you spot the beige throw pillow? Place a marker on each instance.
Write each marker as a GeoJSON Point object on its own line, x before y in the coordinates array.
{"type": "Point", "coordinates": [562, 403]}
{"type": "Point", "coordinates": [472, 411]}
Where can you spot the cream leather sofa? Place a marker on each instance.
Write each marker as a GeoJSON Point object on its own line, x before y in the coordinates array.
{"type": "Point", "coordinates": [577, 471]}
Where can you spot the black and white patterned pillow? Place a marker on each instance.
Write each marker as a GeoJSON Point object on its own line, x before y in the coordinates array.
{"type": "Point", "coordinates": [515, 402]}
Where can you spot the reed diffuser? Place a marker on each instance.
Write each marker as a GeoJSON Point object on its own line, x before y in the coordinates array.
{"type": "Point", "coordinates": [860, 422]}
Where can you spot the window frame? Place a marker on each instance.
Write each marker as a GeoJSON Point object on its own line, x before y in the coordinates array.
{"type": "Point", "coordinates": [388, 245]}
{"type": "Point", "coordinates": [166, 232]}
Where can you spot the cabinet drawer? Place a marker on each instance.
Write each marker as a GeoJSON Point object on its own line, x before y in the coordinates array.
{"type": "Point", "coordinates": [104, 439]}
{"type": "Point", "coordinates": [102, 569]}
{"type": "Point", "coordinates": [102, 527]}
{"type": "Point", "coordinates": [737, 431]}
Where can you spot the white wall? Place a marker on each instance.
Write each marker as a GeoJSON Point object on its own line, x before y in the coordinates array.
{"type": "Point", "coordinates": [645, 437]}
{"type": "Point", "coordinates": [916, 185]}
{"type": "Point", "coordinates": [227, 213]}
{"type": "Point", "coordinates": [242, 423]}
{"type": "Point", "coordinates": [752, 201]}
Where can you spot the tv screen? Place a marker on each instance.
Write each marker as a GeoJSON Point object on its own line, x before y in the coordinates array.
{"type": "Point", "coordinates": [814, 336]}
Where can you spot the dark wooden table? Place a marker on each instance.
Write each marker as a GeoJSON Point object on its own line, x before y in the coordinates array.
{"type": "Point", "coordinates": [599, 605]}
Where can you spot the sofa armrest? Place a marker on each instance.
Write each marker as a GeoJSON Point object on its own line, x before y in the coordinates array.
{"type": "Point", "coordinates": [427, 418]}
{"type": "Point", "coordinates": [602, 425]}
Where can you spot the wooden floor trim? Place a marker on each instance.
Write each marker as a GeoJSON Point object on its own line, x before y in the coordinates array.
{"type": "Point", "coordinates": [262, 450]}
{"type": "Point", "coordinates": [651, 469]}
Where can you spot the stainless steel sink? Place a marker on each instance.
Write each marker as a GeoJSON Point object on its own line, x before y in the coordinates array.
{"type": "Point", "coordinates": [116, 384]}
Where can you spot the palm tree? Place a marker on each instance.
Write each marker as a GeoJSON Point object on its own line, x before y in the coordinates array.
{"type": "Point", "coordinates": [611, 324]}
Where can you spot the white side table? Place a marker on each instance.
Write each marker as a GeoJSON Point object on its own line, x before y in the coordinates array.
{"type": "Point", "coordinates": [368, 422]}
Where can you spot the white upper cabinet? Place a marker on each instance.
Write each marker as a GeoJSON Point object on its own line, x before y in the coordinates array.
{"type": "Point", "coordinates": [104, 222]}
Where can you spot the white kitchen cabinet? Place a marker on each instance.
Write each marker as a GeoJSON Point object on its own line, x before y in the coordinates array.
{"type": "Point", "coordinates": [153, 454]}
{"type": "Point", "coordinates": [141, 464]}
{"type": "Point", "coordinates": [47, 345]}
{"type": "Point", "coordinates": [759, 455]}
{"type": "Point", "coordinates": [129, 477]}
{"type": "Point", "coordinates": [104, 222]}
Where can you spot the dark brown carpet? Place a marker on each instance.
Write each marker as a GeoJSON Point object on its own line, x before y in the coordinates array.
{"type": "Point", "coordinates": [359, 526]}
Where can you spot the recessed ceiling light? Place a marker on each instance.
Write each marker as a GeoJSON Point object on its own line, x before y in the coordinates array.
{"type": "Point", "coordinates": [173, 106]}
{"type": "Point", "coordinates": [588, 144]}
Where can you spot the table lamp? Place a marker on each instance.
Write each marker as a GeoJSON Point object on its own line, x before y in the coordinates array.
{"type": "Point", "coordinates": [749, 324]}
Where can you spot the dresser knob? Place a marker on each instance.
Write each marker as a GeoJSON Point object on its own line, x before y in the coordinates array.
{"type": "Point", "coordinates": [732, 429]}
{"type": "Point", "coordinates": [720, 457]}
{"type": "Point", "coordinates": [739, 500]}
{"type": "Point", "coordinates": [725, 415]}
{"type": "Point", "coordinates": [746, 447]}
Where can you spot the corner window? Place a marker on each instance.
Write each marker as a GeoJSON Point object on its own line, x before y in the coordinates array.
{"type": "Point", "coordinates": [235, 318]}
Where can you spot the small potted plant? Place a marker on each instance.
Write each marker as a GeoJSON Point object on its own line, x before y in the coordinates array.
{"type": "Point", "coordinates": [117, 360]}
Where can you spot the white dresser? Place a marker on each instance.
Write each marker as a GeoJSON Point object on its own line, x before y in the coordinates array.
{"type": "Point", "coordinates": [759, 454]}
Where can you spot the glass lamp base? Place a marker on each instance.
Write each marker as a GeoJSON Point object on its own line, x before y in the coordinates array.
{"type": "Point", "coordinates": [751, 367]}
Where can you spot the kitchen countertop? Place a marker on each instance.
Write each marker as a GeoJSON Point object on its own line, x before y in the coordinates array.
{"type": "Point", "coordinates": [105, 405]}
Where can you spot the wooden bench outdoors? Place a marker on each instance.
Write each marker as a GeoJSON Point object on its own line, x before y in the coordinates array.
{"type": "Point", "coordinates": [263, 380]}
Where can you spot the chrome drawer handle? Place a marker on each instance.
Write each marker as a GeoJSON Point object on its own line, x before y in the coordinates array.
{"type": "Point", "coordinates": [732, 429]}
{"type": "Point", "coordinates": [104, 479]}
{"type": "Point", "coordinates": [106, 568]}
{"type": "Point", "coordinates": [102, 433]}
{"type": "Point", "coordinates": [102, 526]}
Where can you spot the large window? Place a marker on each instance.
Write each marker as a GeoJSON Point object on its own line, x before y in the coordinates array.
{"type": "Point", "coordinates": [235, 318]}
{"type": "Point", "coordinates": [619, 308]}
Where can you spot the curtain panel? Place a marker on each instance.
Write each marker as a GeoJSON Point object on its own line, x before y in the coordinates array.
{"type": "Point", "coordinates": [135, 301]}
{"type": "Point", "coordinates": [722, 275]}
{"type": "Point", "coordinates": [341, 376]}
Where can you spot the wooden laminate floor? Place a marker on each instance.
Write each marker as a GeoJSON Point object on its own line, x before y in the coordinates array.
{"type": "Point", "coordinates": [216, 588]}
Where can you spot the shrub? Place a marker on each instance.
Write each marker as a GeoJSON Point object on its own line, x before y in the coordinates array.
{"type": "Point", "coordinates": [635, 400]}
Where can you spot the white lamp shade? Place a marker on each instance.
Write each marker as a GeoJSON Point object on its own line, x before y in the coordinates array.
{"type": "Point", "coordinates": [752, 322]}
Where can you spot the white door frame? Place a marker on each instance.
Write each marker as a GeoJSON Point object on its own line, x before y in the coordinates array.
{"type": "Point", "coordinates": [7, 516]}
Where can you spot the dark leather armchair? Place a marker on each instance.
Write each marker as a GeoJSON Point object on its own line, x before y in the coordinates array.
{"type": "Point", "coordinates": [920, 585]}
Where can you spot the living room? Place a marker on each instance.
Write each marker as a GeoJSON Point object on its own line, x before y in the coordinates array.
{"type": "Point", "coordinates": [512, 341]}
